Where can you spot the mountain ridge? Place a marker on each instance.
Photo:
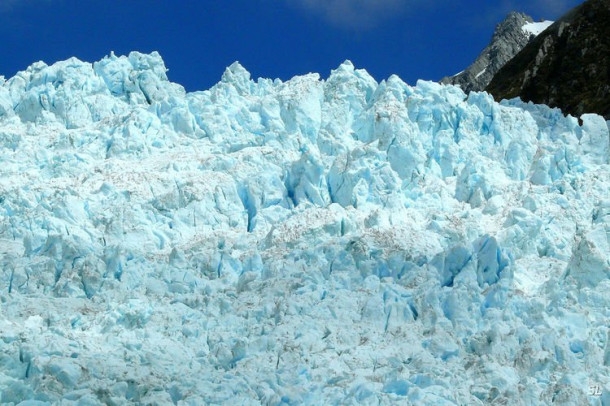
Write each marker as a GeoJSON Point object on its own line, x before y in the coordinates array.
{"type": "Point", "coordinates": [508, 39]}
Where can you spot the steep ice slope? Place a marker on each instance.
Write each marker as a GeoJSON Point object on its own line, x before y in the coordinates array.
{"type": "Point", "coordinates": [313, 241]}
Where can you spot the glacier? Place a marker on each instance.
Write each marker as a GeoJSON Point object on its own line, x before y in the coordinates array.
{"type": "Point", "coordinates": [313, 241]}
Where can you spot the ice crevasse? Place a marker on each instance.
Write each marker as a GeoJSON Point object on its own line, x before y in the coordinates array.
{"type": "Point", "coordinates": [336, 241]}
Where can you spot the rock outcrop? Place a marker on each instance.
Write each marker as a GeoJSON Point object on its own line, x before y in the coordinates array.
{"type": "Point", "coordinates": [567, 66]}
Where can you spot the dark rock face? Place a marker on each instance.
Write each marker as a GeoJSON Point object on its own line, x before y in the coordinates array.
{"type": "Point", "coordinates": [567, 66]}
{"type": "Point", "coordinates": [509, 38]}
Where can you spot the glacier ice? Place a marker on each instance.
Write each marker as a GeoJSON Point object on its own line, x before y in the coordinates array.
{"type": "Point", "coordinates": [336, 241]}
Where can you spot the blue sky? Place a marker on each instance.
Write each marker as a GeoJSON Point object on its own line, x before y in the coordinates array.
{"type": "Point", "coordinates": [415, 39]}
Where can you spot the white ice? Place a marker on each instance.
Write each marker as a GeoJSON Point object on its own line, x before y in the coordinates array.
{"type": "Point", "coordinates": [335, 241]}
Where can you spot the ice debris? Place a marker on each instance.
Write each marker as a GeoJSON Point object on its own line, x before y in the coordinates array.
{"type": "Point", "coordinates": [336, 241]}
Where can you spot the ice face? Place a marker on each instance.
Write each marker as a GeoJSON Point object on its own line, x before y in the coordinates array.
{"type": "Point", "coordinates": [310, 241]}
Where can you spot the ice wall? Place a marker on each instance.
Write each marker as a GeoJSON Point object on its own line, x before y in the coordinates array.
{"type": "Point", "coordinates": [310, 241]}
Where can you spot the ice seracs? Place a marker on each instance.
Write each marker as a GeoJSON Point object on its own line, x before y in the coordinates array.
{"type": "Point", "coordinates": [301, 242]}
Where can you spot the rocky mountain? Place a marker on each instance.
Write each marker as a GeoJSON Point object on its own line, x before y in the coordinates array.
{"type": "Point", "coordinates": [510, 36]}
{"type": "Point", "coordinates": [567, 66]}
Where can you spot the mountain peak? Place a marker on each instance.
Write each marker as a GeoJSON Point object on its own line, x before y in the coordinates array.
{"type": "Point", "coordinates": [508, 39]}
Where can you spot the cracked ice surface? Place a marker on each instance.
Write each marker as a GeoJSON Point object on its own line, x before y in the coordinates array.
{"type": "Point", "coordinates": [310, 241]}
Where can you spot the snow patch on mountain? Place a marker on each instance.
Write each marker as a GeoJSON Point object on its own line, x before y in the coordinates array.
{"type": "Point", "coordinates": [537, 28]}
{"type": "Point", "coordinates": [302, 242]}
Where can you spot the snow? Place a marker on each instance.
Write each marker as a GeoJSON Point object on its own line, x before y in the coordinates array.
{"type": "Point", "coordinates": [303, 242]}
{"type": "Point", "coordinates": [480, 73]}
{"type": "Point", "coordinates": [536, 28]}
